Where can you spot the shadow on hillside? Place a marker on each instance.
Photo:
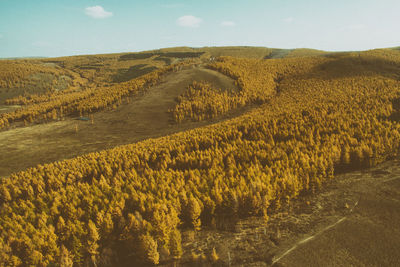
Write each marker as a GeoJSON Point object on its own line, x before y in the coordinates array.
{"type": "Point", "coordinates": [133, 72]}
{"type": "Point", "coordinates": [345, 66]}
{"type": "Point", "coordinates": [135, 56]}
{"type": "Point", "coordinates": [160, 54]}
{"type": "Point", "coordinates": [278, 53]}
{"type": "Point", "coordinates": [166, 60]}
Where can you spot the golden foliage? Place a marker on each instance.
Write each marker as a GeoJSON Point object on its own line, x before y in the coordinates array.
{"type": "Point", "coordinates": [201, 101]}
{"type": "Point", "coordinates": [149, 248]}
{"type": "Point", "coordinates": [57, 105]}
{"type": "Point", "coordinates": [329, 114]}
{"type": "Point", "coordinates": [214, 255]}
{"type": "Point", "coordinates": [21, 73]}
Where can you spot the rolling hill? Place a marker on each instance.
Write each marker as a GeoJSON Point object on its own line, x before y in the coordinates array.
{"type": "Point", "coordinates": [136, 157]}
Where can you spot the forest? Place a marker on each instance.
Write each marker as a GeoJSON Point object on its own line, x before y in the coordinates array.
{"type": "Point", "coordinates": [312, 117]}
{"type": "Point", "coordinates": [94, 97]}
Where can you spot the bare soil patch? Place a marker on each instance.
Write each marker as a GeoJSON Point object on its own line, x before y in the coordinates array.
{"type": "Point", "coordinates": [352, 221]}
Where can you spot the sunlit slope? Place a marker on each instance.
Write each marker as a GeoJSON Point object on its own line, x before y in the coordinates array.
{"type": "Point", "coordinates": [39, 76]}
{"type": "Point", "coordinates": [324, 114]}
{"type": "Point", "coordinates": [18, 77]}
{"type": "Point", "coordinates": [305, 52]}
{"type": "Point", "coordinates": [47, 88]}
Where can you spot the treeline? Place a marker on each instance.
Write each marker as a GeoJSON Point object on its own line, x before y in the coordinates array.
{"type": "Point", "coordinates": [72, 83]}
{"type": "Point", "coordinates": [18, 73]}
{"type": "Point", "coordinates": [58, 105]}
{"type": "Point", "coordinates": [258, 82]}
{"type": "Point", "coordinates": [129, 203]}
{"type": "Point", "coordinates": [255, 81]}
{"type": "Point", "coordinates": [29, 99]}
{"type": "Point", "coordinates": [202, 101]}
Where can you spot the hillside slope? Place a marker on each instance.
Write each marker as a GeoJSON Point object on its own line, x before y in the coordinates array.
{"type": "Point", "coordinates": [307, 120]}
{"type": "Point", "coordinates": [143, 117]}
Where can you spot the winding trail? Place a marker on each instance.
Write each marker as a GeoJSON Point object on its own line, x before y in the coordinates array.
{"type": "Point", "coordinates": [305, 240]}
{"type": "Point", "coordinates": [368, 235]}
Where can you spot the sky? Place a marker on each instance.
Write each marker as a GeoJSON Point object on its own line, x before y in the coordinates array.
{"type": "Point", "coordinates": [52, 28]}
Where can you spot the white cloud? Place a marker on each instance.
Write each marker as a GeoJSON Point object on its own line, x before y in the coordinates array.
{"type": "Point", "coordinates": [288, 20]}
{"type": "Point", "coordinates": [97, 12]}
{"type": "Point", "coordinates": [228, 23]}
{"type": "Point", "coordinates": [189, 21]}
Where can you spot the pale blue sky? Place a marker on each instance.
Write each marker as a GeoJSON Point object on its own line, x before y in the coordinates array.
{"type": "Point", "coordinates": [71, 27]}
